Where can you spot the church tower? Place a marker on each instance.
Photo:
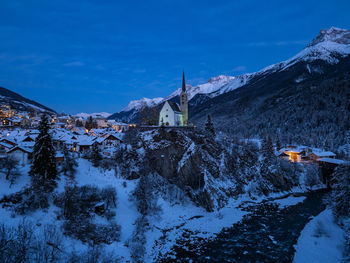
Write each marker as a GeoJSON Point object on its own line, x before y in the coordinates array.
{"type": "Point", "coordinates": [184, 102]}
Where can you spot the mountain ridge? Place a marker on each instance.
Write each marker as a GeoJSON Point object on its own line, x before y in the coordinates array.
{"type": "Point", "coordinates": [329, 47]}
{"type": "Point", "coordinates": [18, 102]}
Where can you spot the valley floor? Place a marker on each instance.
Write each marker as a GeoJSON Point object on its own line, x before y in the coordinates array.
{"type": "Point", "coordinates": [182, 230]}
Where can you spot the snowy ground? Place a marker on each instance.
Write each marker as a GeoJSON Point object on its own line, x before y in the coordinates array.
{"type": "Point", "coordinates": [320, 241]}
{"type": "Point", "coordinates": [165, 228]}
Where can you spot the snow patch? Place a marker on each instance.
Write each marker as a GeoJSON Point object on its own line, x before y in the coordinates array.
{"type": "Point", "coordinates": [320, 241]}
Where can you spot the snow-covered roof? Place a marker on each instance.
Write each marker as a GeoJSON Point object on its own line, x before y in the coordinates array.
{"type": "Point", "coordinates": [23, 149]}
{"type": "Point", "coordinates": [173, 105]}
{"type": "Point", "coordinates": [6, 145]}
{"type": "Point", "coordinates": [332, 160]}
{"type": "Point", "coordinates": [323, 153]}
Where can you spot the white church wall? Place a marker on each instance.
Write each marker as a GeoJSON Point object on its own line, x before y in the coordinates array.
{"type": "Point", "coordinates": [167, 115]}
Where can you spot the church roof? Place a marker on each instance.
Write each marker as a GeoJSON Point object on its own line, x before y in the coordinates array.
{"type": "Point", "coordinates": [174, 106]}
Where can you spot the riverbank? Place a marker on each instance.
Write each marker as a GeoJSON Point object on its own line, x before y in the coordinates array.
{"type": "Point", "coordinates": [320, 241]}
{"type": "Point", "coordinates": [267, 233]}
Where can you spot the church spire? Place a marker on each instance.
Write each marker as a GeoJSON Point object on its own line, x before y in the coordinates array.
{"type": "Point", "coordinates": [183, 81]}
{"type": "Point", "coordinates": [184, 101]}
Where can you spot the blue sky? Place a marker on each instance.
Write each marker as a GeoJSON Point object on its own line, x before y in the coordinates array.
{"type": "Point", "coordinates": [93, 56]}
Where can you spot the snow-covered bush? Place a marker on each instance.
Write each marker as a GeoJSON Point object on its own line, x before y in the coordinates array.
{"type": "Point", "coordinates": [341, 192]}
{"type": "Point", "coordinates": [24, 244]}
{"type": "Point", "coordinates": [312, 175]}
{"type": "Point", "coordinates": [340, 197]}
{"type": "Point", "coordinates": [69, 164]}
{"type": "Point", "coordinates": [107, 164]}
{"type": "Point", "coordinates": [80, 205]}
{"type": "Point", "coordinates": [27, 200]}
{"type": "Point", "coordinates": [9, 166]}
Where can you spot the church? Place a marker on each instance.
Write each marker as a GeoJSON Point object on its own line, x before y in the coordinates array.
{"type": "Point", "coordinates": [171, 113]}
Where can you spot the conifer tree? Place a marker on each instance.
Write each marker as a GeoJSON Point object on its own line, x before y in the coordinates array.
{"type": "Point", "coordinates": [69, 164]}
{"type": "Point", "coordinates": [89, 123]}
{"type": "Point", "coordinates": [209, 127]}
{"type": "Point", "coordinates": [43, 170]}
{"type": "Point", "coordinates": [267, 147]}
{"type": "Point", "coordinates": [278, 143]}
{"type": "Point", "coordinates": [95, 155]}
{"type": "Point", "coordinates": [341, 191]}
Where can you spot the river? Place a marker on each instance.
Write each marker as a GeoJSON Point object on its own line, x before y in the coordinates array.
{"type": "Point", "coordinates": [267, 233]}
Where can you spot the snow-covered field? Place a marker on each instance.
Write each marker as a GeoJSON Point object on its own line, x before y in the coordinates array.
{"type": "Point", "coordinates": [173, 219]}
{"type": "Point", "coordinates": [320, 241]}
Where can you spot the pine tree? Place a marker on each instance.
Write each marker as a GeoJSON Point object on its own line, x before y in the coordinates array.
{"type": "Point", "coordinates": [43, 170]}
{"type": "Point", "coordinates": [209, 127]}
{"type": "Point", "coordinates": [341, 191]}
{"type": "Point", "coordinates": [69, 164]}
{"type": "Point", "coordinates": [267, 147]}
{"type": "Point", "coordinates": [278, 143]}
{"type": "Point", "coordinates": [95, 155]}
{"type": "Point", "coordinates": [89, 123]}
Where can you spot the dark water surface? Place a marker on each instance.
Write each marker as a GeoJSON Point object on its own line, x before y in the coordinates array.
{"type": "Point", "coordinates": [266, 234]}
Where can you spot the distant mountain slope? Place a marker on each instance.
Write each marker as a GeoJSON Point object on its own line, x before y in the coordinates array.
{"type": "Point", "coordinates": [84, 115]}
{"type": "Point", "coordinates": [132, 111]}
{"type": "Point", "coordinates": [328, 48]}
{"type": "Point", "coordinates": [305, 99]}
{"type": "Point", "coordinates": [19, 102]}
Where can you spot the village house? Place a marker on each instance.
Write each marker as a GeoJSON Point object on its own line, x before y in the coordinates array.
{"type": "Point", "coordinates": [21, 154]}
{"type": "Point", "coordinates": [101, 122]}
{"type": "Point", "coordinates": [6, 122]}
{"type": "Point", "coordinates": [304, 153]}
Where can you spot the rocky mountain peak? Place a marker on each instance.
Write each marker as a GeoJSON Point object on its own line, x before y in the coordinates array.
{"type": "Point", "coordinates": [333, 34]}
{"type": "Point", "coordinates": [220, 78]}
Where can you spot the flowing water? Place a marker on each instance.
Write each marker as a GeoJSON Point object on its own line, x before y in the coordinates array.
{"type": "Point", "coordinates": [267, 233]}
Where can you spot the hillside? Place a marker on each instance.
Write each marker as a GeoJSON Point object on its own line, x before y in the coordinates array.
{"type": "Point", "coordinates": [280, 99]}
{"type": "Point", "coordinates": [19, 102]}
{"type": "Point", "coordinates": [131, 113]}
{"type": "Point", "coordinates": [302, 100]}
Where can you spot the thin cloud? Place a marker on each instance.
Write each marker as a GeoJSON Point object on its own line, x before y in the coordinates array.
{"type": "Point", "coordinates": [74, 64]}
{"type": "Point", "coordinates": [240, 68]}
{"type": "Point", "coordinates": [277, 43]}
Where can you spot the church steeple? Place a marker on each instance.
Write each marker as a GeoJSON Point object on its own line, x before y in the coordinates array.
{"type": "Point", "coordinates": [184, 101]}
{"type": "Point", "coordinates": [183, 81]}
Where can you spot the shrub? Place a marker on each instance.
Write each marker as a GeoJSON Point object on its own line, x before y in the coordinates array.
{"type": "Point", "coordinates": [27, 200]}
{"type": "Point", "coordinates": [312, 176]}
{"type": "Point", "coordinates": [79, 207]}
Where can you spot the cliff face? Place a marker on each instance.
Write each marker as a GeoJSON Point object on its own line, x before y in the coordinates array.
{"type": "Point", "coordinates": [195, 163]}
{"type": "Point", "coordinates": [206, 170]}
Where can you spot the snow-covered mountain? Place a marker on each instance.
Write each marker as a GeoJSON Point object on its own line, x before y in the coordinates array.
{"type": "Point", "coordinates": [297, 98]}
{"type": "Point", "coordinates": [20, 103]}
{"type": "Point", "coordinates": [211, 86]}
{"type": "Point", "coordinates": [329, 47]}
{"type": "Point", "coordinates": [84, 115]}
{"type": "Point", "coordinates": [130, 112]}
{"type": "Point", "coordinates": [144, 102]}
